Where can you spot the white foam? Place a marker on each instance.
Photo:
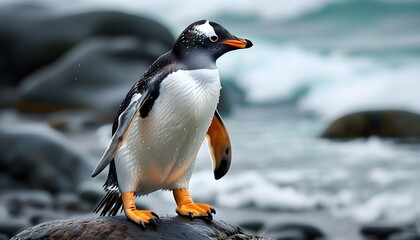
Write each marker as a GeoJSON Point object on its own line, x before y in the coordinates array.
{"type": "Point", "coordinates": [397, 207]}
{"type": "Point", "coordinates": [335, 84]}
{"type": "Point", "coordinates": [385, 177]}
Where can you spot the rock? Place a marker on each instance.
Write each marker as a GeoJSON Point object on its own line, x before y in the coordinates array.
{"type": "Point", "coordinates": [380, 231]}
{"type": "Point", "coordinates": [119, 227]}
{"type": "Point", "coordinates": [294, 231]}
{"type": "Point", "coordinates": [4, 236]}
{"type": "Point", "coordinates": [17, 200]}
{"type": "Point", "coordinates": [73, 120]}
{"type": "Point", "coordinates": [96, 74]}
{"type": "Point", "coordinates": [231, 95]}
{"type": "Point", "coordinates": [382, 123]}
{"type": "Point", "coordinates": [291, 234]}
{"type": "Point", "coordinates": [36, 157]}
{"type": "Point", "coordinates": [71, 202]}
{"type": "Point", "coordinates": [252, 226]}
{"type": "Point", "coordinates": [406, 235]}
{"type": "Point", "coordinates": [33, 36]}
{"type": "Point", "coordinates": [91, 191]}
{"type": "Point", "coordinates": [11, 226]}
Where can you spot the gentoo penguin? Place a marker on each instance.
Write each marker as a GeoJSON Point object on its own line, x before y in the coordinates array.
{"type": "Point", "coordinates": [162, 122]}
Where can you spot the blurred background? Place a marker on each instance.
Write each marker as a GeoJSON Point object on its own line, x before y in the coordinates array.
{"type": "Point", "coordinates": [322, 111]}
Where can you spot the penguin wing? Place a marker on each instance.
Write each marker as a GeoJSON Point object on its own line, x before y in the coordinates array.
{"type": "Point", "coordinates": [125, 121]}
{"type": "Point", "coordinates": [219, 146]}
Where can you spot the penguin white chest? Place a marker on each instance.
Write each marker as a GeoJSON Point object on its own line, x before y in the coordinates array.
{"type": "Point", "coordinates": [160, 149]}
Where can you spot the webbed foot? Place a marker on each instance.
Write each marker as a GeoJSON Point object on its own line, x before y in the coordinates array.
{"type": "Point", "coordinates": [140, 217]}
{"type": "Point", "coordinates": [186, 207]}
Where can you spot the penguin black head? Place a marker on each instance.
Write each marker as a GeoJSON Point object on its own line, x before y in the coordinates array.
{"type": "Point", "coordinates": [205, 39]}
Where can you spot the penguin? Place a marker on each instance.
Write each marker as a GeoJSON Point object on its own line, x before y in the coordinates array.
{"type": "Point", "coordinates": [162, 123]}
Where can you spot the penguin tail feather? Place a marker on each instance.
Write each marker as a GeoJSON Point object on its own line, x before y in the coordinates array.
{"type": "Point", "coordinates": [112, 201]}
{"type": "Point", "coordinates": [110, 204]}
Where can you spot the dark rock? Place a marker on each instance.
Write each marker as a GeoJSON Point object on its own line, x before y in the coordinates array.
{"type": "Point", "coordinates": [11, 226]}
{"type": "Point", "coordinates": [294, 231]}
{"type": "Point", "coordinates": [73, 120]}
{"type": "Point", "coordinates": [121, 228]}
{"type": "Point", "coordinates": [291, 234]}
{"type": "Point", "coordinates": [71, 202]}
{"type": "Point", "coordinates": [91, 191]}
{"type": "Point", "coordinates": [252, 226]}
{"type": "Point", "coordinates": [380, 231]}
{"type": "Point", "coordinates": [231, 95]}
{"type": "Point", "coordinates": [96, 74]}
{"type": "Point", "coordinates": [37, 157]}
{"type": "Point", "coordinates": [33, 36]}
{"type": "Point", "coordinates": [16, 201]}
{"type": "Point", "coordinates": [406, 235]}
{"type": "Point", "coordinates": [382, 123]}
{"type": "Point", "coordinates": [4, 236]}
{"type": "Point", "coordinates": [36, 216]}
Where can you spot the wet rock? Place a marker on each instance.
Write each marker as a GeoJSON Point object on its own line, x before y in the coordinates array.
{"type": "Point", "coordinates": [91, 191]}
{"type": "Point", "coordinates": [406, 235]}
{"type": "Point", "coordinates": [291, 234]}
{"type": "Point", "coordinates": [37, 216]}
{"type": "Point", "coordinates": [11, 226]}
{"type": "Point", "coordinates": [96, 74]}
{"type": "Point", "coordinates": [4, 236]}
{"type": "Point", "coordinates": [119, 227]}
{"type": "Point", "coordinates": [37, 157]}
{"type": "Point", "coordinates": [73, 120]}
{"type": "Point", "coordinates": [380, 231]}
{"type": "Point", "coordinates": [252, 226]}
{"type": "Point", "coordinates": [382, 123]}
{"type": "Point", "coordinates": [71, 202]}
{"type": "Point", "coordinates": [33, 36]}
{"type": "Point", "coordinates": [16, 201]}
{"type": "Point", "coordinates": [294, 231]}
{"type": "Point", "coordinates": [231, 95]}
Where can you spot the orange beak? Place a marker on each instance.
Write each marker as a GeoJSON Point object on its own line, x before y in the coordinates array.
{"type": "Point", "coordinates": [238, 43]}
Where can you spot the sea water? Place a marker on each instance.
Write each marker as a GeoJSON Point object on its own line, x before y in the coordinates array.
{"type": "Point", "coordinates": [312, 61]}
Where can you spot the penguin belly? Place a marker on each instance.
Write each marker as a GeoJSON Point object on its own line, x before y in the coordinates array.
{"type": "Point", "coordinates": [159, 151]}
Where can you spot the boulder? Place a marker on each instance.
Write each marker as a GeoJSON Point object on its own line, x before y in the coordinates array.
{"type": "Point", "coordinates": [34, 156]}
{"type": "Point", "coordinates": [381, 123]}
{"type": "Point", "coordinates": [381, 231]}
{"type": "Point", "coordinates": [231, 96]}
{"type": "Point", "coordinates": [94, 75]}
{"type": "Point", "coordinates": [294, 231]}
{"type": "Point", "coordinates": [33, 35]}
{"type": "Point", "coordinates": [120, 228]}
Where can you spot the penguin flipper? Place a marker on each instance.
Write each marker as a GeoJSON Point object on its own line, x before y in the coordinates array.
{"type": "Point", "coordinates": [219, 146]}
{"type": "Point", "coordinates": [125, 121]}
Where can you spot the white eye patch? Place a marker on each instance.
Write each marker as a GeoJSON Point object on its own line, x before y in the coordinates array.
{"type": "Point", "coordinates": [205, 29]}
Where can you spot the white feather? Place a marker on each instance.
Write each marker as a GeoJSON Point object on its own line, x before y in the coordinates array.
{"type": "Point", "coordinates": [159, 151]}
{"type": "Point", "coordinates": [205, 29]}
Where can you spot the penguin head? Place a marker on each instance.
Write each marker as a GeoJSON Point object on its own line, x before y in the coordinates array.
{"type": "Point", "coordinates": [205, 39]}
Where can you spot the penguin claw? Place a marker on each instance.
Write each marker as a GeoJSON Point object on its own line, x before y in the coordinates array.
{"type": "Point", "coordinates": [152, 222]}
{"type": "Point", "coordinates": [191, 215]}
{"type": "Point", "coordinates": [213, 210]}
{"type": "Point", "coordinates": [209, 216]}
{"type": "Point", "coordinates": [141, 223]}
{"type": "Point", "coordinates": [155, 215]}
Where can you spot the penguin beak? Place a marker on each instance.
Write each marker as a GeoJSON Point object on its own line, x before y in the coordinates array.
{"type": "Point", "coordinates": [238, 43]}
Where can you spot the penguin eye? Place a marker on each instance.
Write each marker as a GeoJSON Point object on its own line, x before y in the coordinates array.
{"type": "Point", "coordinates": [213, 38]}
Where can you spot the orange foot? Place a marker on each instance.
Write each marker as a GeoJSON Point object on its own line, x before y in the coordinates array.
{"type": "Point", "coordinates": [186, 206]}
{"type": "Point", "coordinates": [140, 217]}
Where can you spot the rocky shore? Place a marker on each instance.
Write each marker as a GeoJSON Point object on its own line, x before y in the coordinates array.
{"type": "Point", "coordinates": [59, 92]}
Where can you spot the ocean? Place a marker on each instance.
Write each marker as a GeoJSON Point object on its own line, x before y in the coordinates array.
{"type": "Point", "coordinates": [312, 62]}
